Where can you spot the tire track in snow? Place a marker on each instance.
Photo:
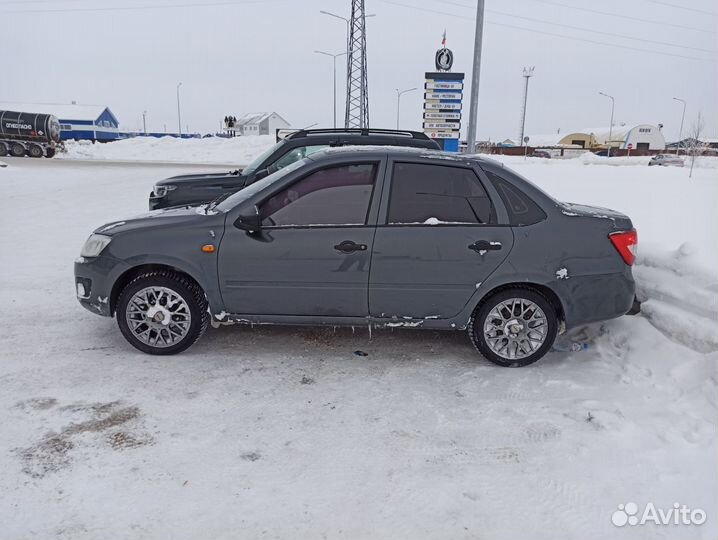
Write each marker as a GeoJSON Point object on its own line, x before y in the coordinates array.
{"type": "Point", "coordinates": [679, 300]}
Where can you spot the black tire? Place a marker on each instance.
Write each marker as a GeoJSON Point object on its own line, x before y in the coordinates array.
{"type": "Point", "coordinates": [35, 151]}
{"type": "Point", "coordinates": [190, 292]}
{"type": "Point", "coordinates": [3, 150]}
{"type": "Point", "coordinates": [50, 152]}
{"type": "Point", "coordinates": [17, 150]}
{"type": "Point", "coordinates": [478, 319]}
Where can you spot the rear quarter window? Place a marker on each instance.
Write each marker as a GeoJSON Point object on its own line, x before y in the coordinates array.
{"type": "Point", "coordinates": [521, 208]}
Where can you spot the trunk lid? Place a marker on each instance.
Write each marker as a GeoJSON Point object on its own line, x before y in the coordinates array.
{"type": "Point", "coordinates": [620, 221]}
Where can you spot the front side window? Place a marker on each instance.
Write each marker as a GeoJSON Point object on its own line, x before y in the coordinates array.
{"type": "Point", "coordinates": [333, 196]}
{"type": "Point", "coordinates": [296, 154]}
{"type": "Point", "coordinates": [437, 194]}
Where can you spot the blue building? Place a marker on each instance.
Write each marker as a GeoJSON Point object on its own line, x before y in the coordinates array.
{"type": "Point", "coordinates": [77, 122]}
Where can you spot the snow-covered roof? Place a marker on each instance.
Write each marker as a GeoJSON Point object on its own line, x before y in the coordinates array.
{"type": "Point", "coordinates": [618, 133]}
{"type": "Point", "coordinates": [257, 118]}
{"type": "Point", "coordinates": [63, 111]}
{"type": "Point", "coordinates": [253, 118]}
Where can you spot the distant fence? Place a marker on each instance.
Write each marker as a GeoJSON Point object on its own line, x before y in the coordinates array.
{"type": "Point", "coordinates": [562, 151]}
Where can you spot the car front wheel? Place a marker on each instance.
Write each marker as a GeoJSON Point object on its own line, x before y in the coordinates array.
{"type": "Point", "coordinates": [514, 327]}
{"type": "Point", "coordinates": [162, 312]}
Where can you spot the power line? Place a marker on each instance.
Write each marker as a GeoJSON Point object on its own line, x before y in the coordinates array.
{"type": "Point", "coordinates": [134, 8]}
{"type": "Point", "coordinates": [612, 34]}
{"type": "Point", "coordinates": [625, 17]}
{"type": "Point", "coordinates": [677, 6]}
{"type": "Point", "coordinates": [563, 36]}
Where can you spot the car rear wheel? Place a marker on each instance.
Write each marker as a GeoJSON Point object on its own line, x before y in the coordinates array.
{"type": "Point", "coordinates": [514, 327]}
{"type": "Point", "coordinates": [162, 312]}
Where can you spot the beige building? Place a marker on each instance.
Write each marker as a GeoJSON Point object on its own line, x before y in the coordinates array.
{"type": "Point", "coordinates": [639, 136]}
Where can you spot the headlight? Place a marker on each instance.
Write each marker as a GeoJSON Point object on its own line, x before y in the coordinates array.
{"type": "Point", "coordinates": [161, 191]}
{"type": "Point", "coordinates": [94, 245]}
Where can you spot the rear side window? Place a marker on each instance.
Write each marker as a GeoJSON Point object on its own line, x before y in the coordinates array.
{"type": "Point", "coordinates": [436, 194]}
{"type": "Point", "coordinates": [522, 210]}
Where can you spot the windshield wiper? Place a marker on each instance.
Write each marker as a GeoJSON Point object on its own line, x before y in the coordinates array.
{"type": "Point", "coordinates": [214, 202]}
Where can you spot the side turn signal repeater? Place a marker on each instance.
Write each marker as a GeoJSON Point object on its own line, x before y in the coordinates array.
{"type": "Point", "coordinates": [209, 248]}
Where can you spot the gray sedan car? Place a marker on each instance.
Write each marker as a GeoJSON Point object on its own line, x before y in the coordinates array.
{"type": "Point", "coordinates": [666, 160]}
{"type": "Point", "coordinates": [376, 236]}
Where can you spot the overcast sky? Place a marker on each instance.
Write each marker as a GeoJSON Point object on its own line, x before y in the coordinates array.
{"type": "Point", "coordinates": [235, 57]}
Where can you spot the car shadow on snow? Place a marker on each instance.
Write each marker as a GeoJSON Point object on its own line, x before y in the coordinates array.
{"type": "Point", "coordinates": [241, 342]}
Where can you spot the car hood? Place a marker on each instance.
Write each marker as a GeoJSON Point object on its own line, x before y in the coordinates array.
{"type": "Point", "coordinates": [199, 177]}
{"type": "Point", "coordinates": [184, 215]}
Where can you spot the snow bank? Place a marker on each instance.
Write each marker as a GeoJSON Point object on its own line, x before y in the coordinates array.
{"type": "Point", "coordinates": [679, 298]}
{"type": "Point", "coordinates": [237, 151]}
{"type": "Point", "coordinates": [3, 164]}
{"type": "Point", "coordinates": [589, 158]}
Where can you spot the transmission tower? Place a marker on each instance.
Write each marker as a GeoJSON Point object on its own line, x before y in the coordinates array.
{"type": "Point", "coordinates": [357, 113]}
{"type": "Point", "coordinates": [528, 73]}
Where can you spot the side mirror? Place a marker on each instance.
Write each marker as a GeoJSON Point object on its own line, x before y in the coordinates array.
{"type": "Point", "coordinates": [250, 222]}
{"type": "Point", "coordinates": [261, 173]}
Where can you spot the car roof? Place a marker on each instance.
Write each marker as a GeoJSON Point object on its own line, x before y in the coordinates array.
{"type": "Point", "coordinates": [380, 151]}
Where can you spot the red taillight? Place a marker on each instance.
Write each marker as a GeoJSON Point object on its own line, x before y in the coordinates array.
{"type": "Point", "coordinates": [626, 244]}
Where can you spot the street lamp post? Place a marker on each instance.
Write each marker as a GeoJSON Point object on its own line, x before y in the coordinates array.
{"type": "Point", "coordinates": [475, 77]}
{"type": "Point", "coordinates": [334, 59]}
{"type": "Point", "coordinates": [179, 112]}
{"type": "Point", "coordinates": [610, 125]}
{"type": "Point", "coordinates": [144, 121]}
{"type": "Point", "coordinates": [347, 21]}
{"type": "Point", "coordinates": [398, 102]}
{"type": "Point", "coordinates": [683, 116]}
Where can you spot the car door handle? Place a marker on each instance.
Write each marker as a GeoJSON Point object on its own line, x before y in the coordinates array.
{"type": "Point", "coordinates": [347, 246]}
{"type": "Point", "coordinates": [484, 245]}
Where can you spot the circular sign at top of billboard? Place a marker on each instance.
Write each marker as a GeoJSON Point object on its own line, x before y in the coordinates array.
{"type": "Point", "coordinates": [444, 59]}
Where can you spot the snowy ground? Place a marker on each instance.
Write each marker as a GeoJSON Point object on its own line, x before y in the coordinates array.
{"type": "Point", "coordinates": [286, 433]}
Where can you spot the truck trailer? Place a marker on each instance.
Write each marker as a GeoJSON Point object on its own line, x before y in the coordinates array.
{"type": "Point", "coordinates": [28, 134]}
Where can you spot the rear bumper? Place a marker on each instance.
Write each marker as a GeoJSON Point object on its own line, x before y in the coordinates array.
{"type": "Point", "coordinates": [596, 298]}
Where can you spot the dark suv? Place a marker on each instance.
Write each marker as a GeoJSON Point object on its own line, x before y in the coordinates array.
{"type": "Point", "coordinates": [195, 189]}
{"type": "Point", "coordinates": [375, 236]}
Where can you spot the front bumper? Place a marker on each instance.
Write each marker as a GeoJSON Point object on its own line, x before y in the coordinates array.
{"type": "Point", "coordinates": [157, 202]}
{"type": "Point", "coordinates": [94, 278]}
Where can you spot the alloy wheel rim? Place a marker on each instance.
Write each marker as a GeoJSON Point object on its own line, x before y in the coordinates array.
{"type": "Point", "coordinates": [158, 316]}
{"type": "Point", "coordinates": [515, 328]}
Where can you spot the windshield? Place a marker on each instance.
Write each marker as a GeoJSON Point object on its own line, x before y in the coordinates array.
{"type": "Point", "coordinates": [243, 194]}
{"type": "Point", "coordinates": [256, 162]}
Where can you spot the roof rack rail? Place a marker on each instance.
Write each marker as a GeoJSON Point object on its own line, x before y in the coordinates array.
{"type": "Point", "coordinates": [359, 131]}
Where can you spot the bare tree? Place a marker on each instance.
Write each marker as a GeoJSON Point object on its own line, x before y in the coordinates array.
{"type": "Point", "coordinates": [693, 146]}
